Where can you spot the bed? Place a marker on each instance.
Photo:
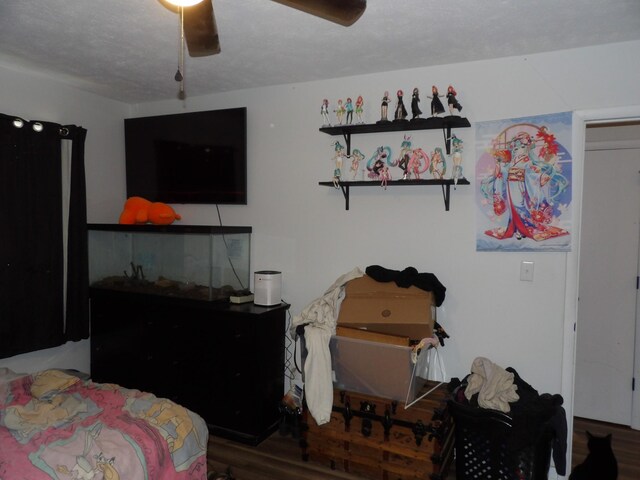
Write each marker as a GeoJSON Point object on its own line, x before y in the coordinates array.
{"type": "Point", "coordinates": [55, 425]}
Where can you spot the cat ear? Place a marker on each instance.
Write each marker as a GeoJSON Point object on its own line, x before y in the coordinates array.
{"type": "Point", "coordinates": [589, 435]}
{"type": "Point", "coordinates": [609, 437]}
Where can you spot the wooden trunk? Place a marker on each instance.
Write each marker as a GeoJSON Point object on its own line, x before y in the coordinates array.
{"type": "Point", "coordinates": [379, 439]}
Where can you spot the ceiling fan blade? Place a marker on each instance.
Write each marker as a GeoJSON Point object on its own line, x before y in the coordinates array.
{"type": "Point", "coordinates": [200, 30]}
{"type": "Point", "coordinates": [342, 12]}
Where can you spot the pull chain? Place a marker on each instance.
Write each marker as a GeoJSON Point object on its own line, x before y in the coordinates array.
{"type": "Point", "coordinates": [179, 77]}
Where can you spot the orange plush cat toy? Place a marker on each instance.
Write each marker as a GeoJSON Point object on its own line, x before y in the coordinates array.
{"type": "Point", "coordinates": [139, 210]}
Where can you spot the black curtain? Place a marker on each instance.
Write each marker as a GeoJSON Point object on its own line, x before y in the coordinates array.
{"type": "Point", "coordinates": [32, 253]}
{"type": "Point", "coordinates": [77, 311]}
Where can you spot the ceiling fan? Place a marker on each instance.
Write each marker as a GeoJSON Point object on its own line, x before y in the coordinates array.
{"type": "Point", "coordinates": [201, 32]}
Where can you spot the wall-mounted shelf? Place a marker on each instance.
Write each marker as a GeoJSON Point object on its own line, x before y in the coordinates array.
{"type": "Point", "coordinates": [431, 123]}
{"type": "Point", "coordinates": [444, 183]}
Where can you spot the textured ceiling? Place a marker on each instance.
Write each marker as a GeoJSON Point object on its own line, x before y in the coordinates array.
{"type": "Point", "coordinates": [128, 49]}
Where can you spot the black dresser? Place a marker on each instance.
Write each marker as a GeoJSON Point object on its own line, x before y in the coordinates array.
{"type": "Point", "coordinates": [221, 360]}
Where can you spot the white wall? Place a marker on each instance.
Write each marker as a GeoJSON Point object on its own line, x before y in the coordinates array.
{"type": "Point", "coordinates": [303, 229]}
{"type": "Point", "coordinates": [38, 97]}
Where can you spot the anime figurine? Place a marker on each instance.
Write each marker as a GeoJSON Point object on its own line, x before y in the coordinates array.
{"type": "Point", "coordinates": [418, 163]}
{"type": "Point", "coordinates": [359, 108]}
{"type": "Point", "coordinates": [340, 111]}
{"type": "Point", "coordinates": [356, 157]}
{"type": "Point", "coordinates": [385, 176]}
{"type": "Point", "coordinates": [405, 155]}
{"type": "Point", "coordinates": [456, 148]}
{"type": "Point", "coordinates": [451, 100]}
{"type": "Point", "coordinates": [436, 103]}
{"type": "Point", "coordinates": [377, 161]}
{"type": "Point", "coordinates": [384, 107]}
{"type": "Point", "coordinates": [324, 111]}
{"type": "Point", "coordinates": [401, 112]}
{"type": "Point", "coordinates": [438, 165]}
{"type": "Point", "coordinates": [338, 158]}
{"type": "Point", "coordinates": [349, 109]}
{"type": "Point", "coordinates": [415, 104]}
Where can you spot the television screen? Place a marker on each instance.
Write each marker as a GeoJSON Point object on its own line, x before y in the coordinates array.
{"type": "Point", "coordinates": [198, 157]}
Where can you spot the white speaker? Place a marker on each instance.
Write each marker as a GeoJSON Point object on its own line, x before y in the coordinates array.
{"type": "Point", "coordinates": [267, 288]}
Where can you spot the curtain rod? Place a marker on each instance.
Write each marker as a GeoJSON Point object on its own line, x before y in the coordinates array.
{"type": "Point", "coordinates": [39, 125]}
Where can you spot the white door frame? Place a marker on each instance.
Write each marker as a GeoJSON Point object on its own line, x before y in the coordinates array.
{"type": "Point", "coordinates": [580, 120]}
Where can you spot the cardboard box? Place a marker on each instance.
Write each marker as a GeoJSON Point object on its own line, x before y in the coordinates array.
{"type": "Point", "coordinates": [370, 336]}
{"type": "Point", "coordinates": [386, 308]}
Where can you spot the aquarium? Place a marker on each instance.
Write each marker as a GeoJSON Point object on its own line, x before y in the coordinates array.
{"type": "Point", "coordinates": [190, 261]}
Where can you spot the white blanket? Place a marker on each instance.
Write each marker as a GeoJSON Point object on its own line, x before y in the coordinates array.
{"type": "Point", "coordinates": [321, 317]}
{"type": "Point", "coordinates": [493, 384]}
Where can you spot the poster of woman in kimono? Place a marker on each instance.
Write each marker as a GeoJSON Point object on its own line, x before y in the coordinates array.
{"type": "Point", "coordinates": [523, 184]}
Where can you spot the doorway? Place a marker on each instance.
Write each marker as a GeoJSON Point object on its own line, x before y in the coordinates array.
{"type": "Point", "coordinates": [608, 326]}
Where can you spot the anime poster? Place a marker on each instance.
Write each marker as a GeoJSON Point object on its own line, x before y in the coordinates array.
{"type": "Point", "coordinates": [523, 184]}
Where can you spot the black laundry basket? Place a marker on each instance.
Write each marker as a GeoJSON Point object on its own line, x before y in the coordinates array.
{"type": "Point", "coordinates": [491, 445]}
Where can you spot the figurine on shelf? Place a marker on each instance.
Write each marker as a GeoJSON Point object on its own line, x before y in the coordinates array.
{"type": "Point", "coordinates": [436, 103]}
{"type": "Point", "coordinates": [349, 109]}
{"type": "Point", "coordinates": [356, 157]}
{"type": "Point", "coordinates": [401, 112]}
{"type": "Point", "coordinates": [324, 111]}
{"type": "Point", "coordinates": [438, 165]}
{"type": "Point", "coordinates": [384, 108]}
{"type": "Point", "coordinates": [385, 176]}
{"type": "Point", "coordinates": [338, 159]}
{"type": "Point", "coordinates": [340, 111]}
{"type": "Point", "coordinates": [451, 100]}
{"type": "Point", "coordinates": [456, 148]}
{"type": "Point", "coordinates": [418, 163]}
{"type": "Point", "coordinates": [377, 161]}
{"type": "Point", "coordinates": [405, 155]}
{"type": "Point", "coordinates": [359, 108]}
{"type": "Point", "coordinates": [415, 104]}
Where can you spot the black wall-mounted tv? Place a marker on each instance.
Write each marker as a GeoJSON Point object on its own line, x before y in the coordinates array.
{"type": "Point", "coordinates": [197, 157]}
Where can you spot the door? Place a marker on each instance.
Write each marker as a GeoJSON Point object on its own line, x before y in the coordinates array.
{"type": "Point", "coordinates": [608, 292]}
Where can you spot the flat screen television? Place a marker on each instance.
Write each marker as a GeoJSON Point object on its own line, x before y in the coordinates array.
{"type": "Point", "coordinates": [197, 157]}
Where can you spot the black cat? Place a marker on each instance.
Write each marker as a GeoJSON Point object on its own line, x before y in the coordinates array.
{"type": "Point", "coordinates": [600, 464]}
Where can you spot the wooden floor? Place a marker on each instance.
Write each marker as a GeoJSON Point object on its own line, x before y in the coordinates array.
{"type": "Point", "coordinates": [279, 457]}
{"type": "Point", "coordinates": [626, 445]}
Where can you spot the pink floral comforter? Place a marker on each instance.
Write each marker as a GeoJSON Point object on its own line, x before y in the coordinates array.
{"type": "Point", "coordinates": [54, 425]}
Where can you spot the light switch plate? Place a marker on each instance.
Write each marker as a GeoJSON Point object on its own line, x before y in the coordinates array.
{"type": "Point", "coordinates": [526, 271]}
